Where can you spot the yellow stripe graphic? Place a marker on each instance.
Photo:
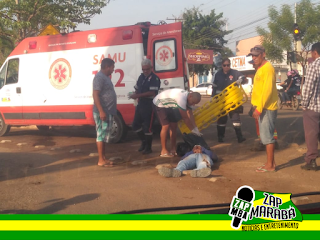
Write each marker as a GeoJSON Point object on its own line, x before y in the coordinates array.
{"type": "Point", "coordinates": [131, 225]}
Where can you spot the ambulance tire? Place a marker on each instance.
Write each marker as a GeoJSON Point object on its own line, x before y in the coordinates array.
{"type": "Point", "coordinates": [43, 128]}
{"type": "Point", "coordinates": [119, 130]}
{"type": "Point", "coordinates": [4, 128]}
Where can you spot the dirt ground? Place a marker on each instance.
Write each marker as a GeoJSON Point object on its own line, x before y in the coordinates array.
{"type": "Point", "coordinates": [51, 179]}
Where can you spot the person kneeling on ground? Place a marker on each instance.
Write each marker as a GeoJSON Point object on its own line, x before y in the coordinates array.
{"type": "Point", "coordinates": [199, 159]}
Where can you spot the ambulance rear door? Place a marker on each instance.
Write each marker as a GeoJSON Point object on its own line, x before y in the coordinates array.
{"type": "Point", "coordinates": [165, 50]}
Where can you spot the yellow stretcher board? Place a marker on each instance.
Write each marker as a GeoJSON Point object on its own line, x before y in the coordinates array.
{"type": "Point", "coordinates": [220, 105]}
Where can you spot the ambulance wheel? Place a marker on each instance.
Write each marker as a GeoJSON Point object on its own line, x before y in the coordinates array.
{"type": "Point", "coordinates": [4, 128]}
{"type": "Point", "coordinates": [119, 129]}
{"type": "Point", "coordinates": [43, 128]}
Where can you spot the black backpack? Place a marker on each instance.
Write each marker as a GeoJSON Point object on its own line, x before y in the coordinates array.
{"type": "Point", "coordinates": [189, 141]}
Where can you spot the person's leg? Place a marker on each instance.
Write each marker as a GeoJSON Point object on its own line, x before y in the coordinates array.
{"type": "Point", "coordinates": [163, 137]}
{"type": "Point", "coordinates": [203, 166]}
{"type": "Point", "coordinates": [267, 125]}
{"type": "Point", "coordinates": [173, 137]}
{"type": "Point", "coordinates": [137, 128]}
{"type": "Point", "coordinates": [186, 164]}
{"type": "Point", "coordinates": [235, 118]}
{"type": "Point", "coordinates": [163, 119]}
{"type": "Point", "coordinates": [148, 119]}
{"type": "Point", "coordinates": [311, 131]}
{"type": "Point", "coordinates": [286, 97]}
{"type": "Point", "coordinates": [282, 97]}
{"type": "Point", "coordinates": [101, 128]}
{"type": "Point", "coordinates": [221, 127]}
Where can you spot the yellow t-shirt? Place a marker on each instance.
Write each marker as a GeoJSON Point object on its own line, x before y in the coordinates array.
{"type": "Point", "coordinates": [264, 92]}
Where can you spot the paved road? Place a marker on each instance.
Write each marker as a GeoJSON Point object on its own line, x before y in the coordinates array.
{"type": "Point", "coordinates": [50, 179]}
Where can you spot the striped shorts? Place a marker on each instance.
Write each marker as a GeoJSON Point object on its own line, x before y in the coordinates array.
{"type": "Point", "coordinates": [103, 128]}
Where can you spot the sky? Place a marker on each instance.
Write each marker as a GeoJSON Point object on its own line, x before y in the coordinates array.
{"type": "Point", "coordinates": [238, 14]}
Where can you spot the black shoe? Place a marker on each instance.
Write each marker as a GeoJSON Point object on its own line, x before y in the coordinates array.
{"type": "Point", "coordinates": [143, 140]}
{"type": "Point", "coordinates": [148, 149]}
{"type": "Point", "coordinates": [142, 147]}
{"type": "Point", "coordinates": [310, 166]}
{"type": "Point", "coordinates": [239, 134]}
{"type": "Point", "coordinates": [242, 139]}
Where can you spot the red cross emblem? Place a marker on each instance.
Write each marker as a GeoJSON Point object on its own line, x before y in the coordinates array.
{"type": "Point", "coordinates": [60, 73]}
{"type": "Point", "coordinates": [164, 55]}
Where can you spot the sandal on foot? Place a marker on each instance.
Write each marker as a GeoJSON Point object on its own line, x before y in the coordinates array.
{"type": "Point", "coordinates": [169, 172]}
{"type": "Point", "coordinates": [166, 155]}
{"type": "Point", "coordinates": [200, 173]}
{"type": "Point", "coordinates": [106, 165]}
{"type": "Point", "coordinates": [262, 170]}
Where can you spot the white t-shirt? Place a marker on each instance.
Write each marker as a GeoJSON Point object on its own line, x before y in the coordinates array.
{"type": "Point", "coordinates": [172, 98]}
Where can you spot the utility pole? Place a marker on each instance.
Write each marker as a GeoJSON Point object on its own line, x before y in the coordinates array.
{"type": "Point", "coordinates": [297, 45]}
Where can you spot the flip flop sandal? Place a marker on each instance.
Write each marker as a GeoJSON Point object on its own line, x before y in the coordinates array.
{"type": "Point", "coordinates": [106, 165]}
{"type": "Point", "coordinates": [166, 155]}
{"type": "Point", "coordinates": [262, 170]}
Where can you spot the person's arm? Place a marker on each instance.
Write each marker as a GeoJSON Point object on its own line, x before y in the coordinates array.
{"type": "Point", "coordinates": [187, 154]}
{"type": "Point", "coordinates": [153, 87]}
{"type": "Point", "coordinates": [140, 95]}
{"type": "Point", "coordinates": [191, 117]}
{"type": "Point", "coordinates": [207, 152]}
{"type": "Point", "coordinates": [96, 100]}
{"type": "Point", "coordinates": [97, 86]}
{"type": "Point", "coordinates": [242, 79]}
{"type": "Point", "coordinates": [311, 76]}
{"type": "Point", "coordinates": [214, 86]}
{"type": "Point", "coordinates": [289, 85]}
{"type": "Point", "coordinates": [186, 118]}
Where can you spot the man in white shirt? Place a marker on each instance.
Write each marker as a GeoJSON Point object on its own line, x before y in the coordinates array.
{"type": "Point", "coordinates": [172, 105]}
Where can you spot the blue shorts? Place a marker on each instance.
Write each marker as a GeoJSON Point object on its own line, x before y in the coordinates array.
{"type": "Point", "coordinates": [267, 122]}
{"type": "Point", "coordinates": [103, 128]}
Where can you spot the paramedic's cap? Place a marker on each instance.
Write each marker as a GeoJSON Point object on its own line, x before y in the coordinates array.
{"type": "Point", "coordinates": [256, 50]}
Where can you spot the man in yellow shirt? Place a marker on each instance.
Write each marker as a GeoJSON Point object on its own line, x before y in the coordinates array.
{"type": "Point", "coordinates": [264, 99]}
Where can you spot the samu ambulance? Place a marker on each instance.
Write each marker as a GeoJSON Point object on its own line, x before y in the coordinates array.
{"type": "Point", "coordinates": [47, 81]}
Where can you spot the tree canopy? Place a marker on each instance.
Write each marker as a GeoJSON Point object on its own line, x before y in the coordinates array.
{"type": "Point", "coordinates": [279, 37]}
{"type": "Point", "coordinates": [25, 18]}
{"type": "Point", "coordinates": [204, 32]}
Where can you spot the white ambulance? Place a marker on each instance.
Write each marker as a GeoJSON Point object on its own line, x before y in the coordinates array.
{"type": "Point", "coordinates": [47, 81]}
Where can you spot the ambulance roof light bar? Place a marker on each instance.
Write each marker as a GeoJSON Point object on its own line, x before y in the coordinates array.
{"type": "Point", "coordinates": [32, 44]}
{"type": "Point", "coordinates": [92, 38]}
{"type": "Point", "coordinates": [127, 34]}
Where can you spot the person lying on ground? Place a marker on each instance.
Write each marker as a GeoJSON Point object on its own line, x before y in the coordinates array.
{"type": "Point", "coordinates": [199, 160]}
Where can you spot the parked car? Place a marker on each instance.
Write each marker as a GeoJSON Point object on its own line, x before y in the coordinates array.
{"type": "Point", "coordinates": [203, 89]}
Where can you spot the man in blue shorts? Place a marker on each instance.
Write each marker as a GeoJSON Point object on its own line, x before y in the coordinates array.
{"type": "Point", "coordinates": [104, 108]}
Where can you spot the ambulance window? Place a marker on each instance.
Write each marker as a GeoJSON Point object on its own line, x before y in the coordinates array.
{"type": "Point", "coordinates": [3, 75]}
{"type": "Point", "coordinates": [165, 55]}
{"type": "Point", "coordinates": [13, 71]}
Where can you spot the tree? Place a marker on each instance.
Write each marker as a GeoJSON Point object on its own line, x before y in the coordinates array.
{"type": "Point", "coordinates": [280, 37]}
{"type": "Point", "coordinates": [25, 18]}
{"type": "Point", "coordinates": [204, 32]}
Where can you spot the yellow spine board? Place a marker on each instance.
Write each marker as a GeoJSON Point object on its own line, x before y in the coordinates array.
{"type": "Point", "coordinates": [218, 106]}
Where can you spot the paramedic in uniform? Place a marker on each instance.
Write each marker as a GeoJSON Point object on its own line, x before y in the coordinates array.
{"type": "Point", "coordinates": [222, 79]}
{"type": "Point", "coordinates": [171, 105]}
{"type": "Point", "coordinates": [147, 88]}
